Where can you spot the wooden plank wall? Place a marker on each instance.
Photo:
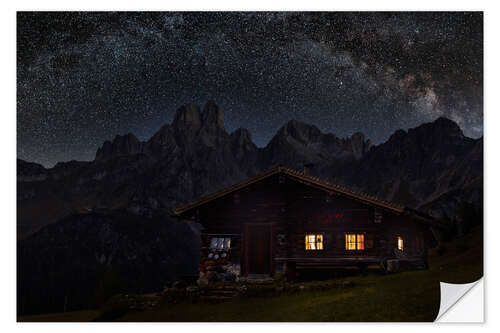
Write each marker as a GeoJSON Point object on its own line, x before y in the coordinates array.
{"type": "Point", "coordinates": [295, 209]}
{"type": "Point", "coordinates": [263, 202]}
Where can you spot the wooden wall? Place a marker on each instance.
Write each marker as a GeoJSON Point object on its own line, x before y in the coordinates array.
{"type": "Point", "coordinates": [263, 202]}
{"type": "Point", "coordinates": [295, 209]}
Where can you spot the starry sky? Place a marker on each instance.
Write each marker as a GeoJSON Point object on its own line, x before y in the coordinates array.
{"type": "Point", "coordinates": [83, 78]}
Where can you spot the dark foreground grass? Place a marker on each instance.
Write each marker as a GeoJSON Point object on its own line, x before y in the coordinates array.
{"type": "Point", "coordinates": [407, 296]}
{"type": "Point", "coordinates": [75, 316]}
{"type": "Point", "coordinates": [403, 297]}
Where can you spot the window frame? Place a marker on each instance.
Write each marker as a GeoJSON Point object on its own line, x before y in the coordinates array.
{"type": "Point", "coordinates": [357, 234]}
{"type": "Point", "coordinates": [315, 234]}
{"type": "Point", "coordinates": [400, 238]}
{"type": "Point", "coordinates": [220, 240]}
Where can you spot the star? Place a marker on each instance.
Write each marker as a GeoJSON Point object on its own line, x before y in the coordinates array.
{"type": "Point", "coordinates": [83, 78]}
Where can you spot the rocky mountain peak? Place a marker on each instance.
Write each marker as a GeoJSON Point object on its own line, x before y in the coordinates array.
{"type": "Point", "coordinates": [447, 126]}
{"type": "Point", "coordinates": [188, 117]}
{"type": "Point", "coordinates": [442, 131]}
{"type": "Point", "coordinates": [162, 142]}
{"type": "Point", "coordinates": [358, 136]}
{"type": "Point", "coordinates": [127, 144]}
{"type": "Point", "coordinates": [241, 135]}
{"type": "Point", "coordinates": [244, 150]}
{"type": "Point", "coordinates": [359, 145]}
{"type": "Point", "coordinates": [212, 115]}
{"type": "Point", "coordinates": [241, 140]}
{"type": "Point", "coordinates": [28, 171]}
{"type": "Point", "coordinates": [129, 137]}
{"type": "Point", "coordinates": [398, 135]}
{"type": "Point", "coordinates": [440, 128]}
{"type": "Point", "coordinates": [299, 131]}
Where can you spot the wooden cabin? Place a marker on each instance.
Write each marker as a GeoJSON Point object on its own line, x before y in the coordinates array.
{"type": "Point", "coordinates": [281, 221]}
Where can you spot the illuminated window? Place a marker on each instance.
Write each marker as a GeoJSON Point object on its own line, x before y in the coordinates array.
{"type": "Point", "coordinates": [220, 243]}
{"type": "Point", "coordinates": [354, 241]}
{"type": "Point", "coordinates": [400, 243]}
{"type": "Point", "coordinates": [314, 242]}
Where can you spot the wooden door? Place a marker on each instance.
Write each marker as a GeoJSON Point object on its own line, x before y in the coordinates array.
{"type": "Point", "coordinates": [258, 251]}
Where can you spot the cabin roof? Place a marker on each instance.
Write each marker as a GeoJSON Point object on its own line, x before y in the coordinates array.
{"type": "Point", "coordinates": [329, 187]}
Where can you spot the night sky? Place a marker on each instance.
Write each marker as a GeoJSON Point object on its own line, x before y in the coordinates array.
{"type": "Point", "coordinates": [82, 78]}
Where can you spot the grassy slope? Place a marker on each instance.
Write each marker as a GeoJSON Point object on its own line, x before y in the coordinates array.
{"type": "Point", "coordinates": [75, 316]}
{"type": "Point", "coordinates": [407, 296]}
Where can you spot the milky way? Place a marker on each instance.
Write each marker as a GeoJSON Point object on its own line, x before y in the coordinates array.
{"type": "Point", "coordinates": [82, 78]}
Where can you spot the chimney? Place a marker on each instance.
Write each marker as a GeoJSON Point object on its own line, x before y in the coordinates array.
{"type": "Point", "coordinates": [307, 168]}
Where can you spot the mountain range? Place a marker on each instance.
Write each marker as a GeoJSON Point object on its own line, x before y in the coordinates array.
{"type": "Point", "coordinates": [112, 214]}
{"type": "Point", "coordinates": [431, 167]}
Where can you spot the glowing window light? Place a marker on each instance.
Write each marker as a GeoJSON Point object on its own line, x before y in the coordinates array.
{"type": "Point", "coordinates": [314, 242]}
{"type": "Point", "coordinates": [400, 243]}
{"type": "Point", "coordinates": [354, 241]}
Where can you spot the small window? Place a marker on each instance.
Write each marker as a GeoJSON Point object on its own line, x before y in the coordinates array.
{"type": "Point", "coordinates": [220, 243]}
{"type": "Point", "coordinates": [314, 242]}
{"type": "Point", "coordinates": [354, 241]}
{"type": "Point", "coordinates": [400, 243]}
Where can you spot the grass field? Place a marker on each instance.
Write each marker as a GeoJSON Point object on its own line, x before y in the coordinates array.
{"type": "Point", "coordinates": [405, 296]}
{"type": "Point", "coordinates": [75, 316]}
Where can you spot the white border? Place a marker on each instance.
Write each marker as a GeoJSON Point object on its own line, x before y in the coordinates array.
{"type": "Point", "coordinates": [8, 148]}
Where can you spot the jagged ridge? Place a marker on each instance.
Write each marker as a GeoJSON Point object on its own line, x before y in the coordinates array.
{"type": "Point", "coordinates": [195, 155]}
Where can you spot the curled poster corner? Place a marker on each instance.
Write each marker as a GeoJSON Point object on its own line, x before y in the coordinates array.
{"type": "Point", "coordinates": [461, 302]}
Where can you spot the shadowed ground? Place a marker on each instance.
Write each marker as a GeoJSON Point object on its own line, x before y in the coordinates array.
{"type": "Point", "coordinates": [406, 296]}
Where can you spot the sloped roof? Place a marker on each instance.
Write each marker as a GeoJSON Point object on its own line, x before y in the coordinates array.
{"type": "Point", "coordinates": [308, 180]}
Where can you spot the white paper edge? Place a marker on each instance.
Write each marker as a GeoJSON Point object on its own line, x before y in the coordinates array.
{"type": "Point", "coordinates": [461, 303]}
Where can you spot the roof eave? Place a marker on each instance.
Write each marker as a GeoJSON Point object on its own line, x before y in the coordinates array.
{"type": "Point", "coordinates": [308, 180]}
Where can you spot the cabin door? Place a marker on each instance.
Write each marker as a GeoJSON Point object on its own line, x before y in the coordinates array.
{"type": "Point", "coordinates": [258, 249]}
